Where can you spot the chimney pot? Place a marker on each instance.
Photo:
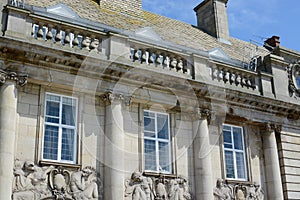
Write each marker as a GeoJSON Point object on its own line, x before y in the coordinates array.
{"type": "Point", "coordinates": [272, 42]}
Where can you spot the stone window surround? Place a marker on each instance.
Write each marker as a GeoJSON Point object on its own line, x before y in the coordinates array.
{"type": "Point", "coordinates": [157, 141]}
{"type": "Point", "coordinates": [246, 151]}
{"type": "Point", "coordinates": [40, 134]}
{"type": "Point", "coordinates": [172, 138]}
{"type": "Point", "coordinates": [60, 126]}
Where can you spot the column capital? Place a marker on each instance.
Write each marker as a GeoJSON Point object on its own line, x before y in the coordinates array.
{"type": "Point", "coordinates": [20, 79]}
{"type": "Point", "coordinates": [269, 127]}
{"type": "Point", "coordinates": [202, 114]}
{"type": "Point", "coordinates": [109, 97]}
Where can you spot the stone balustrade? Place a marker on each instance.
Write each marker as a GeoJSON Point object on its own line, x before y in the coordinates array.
{"type": "Point", "coordinates": [234, 76]}
{"type": "Point", "coordinates": [67, 36]}
{"type": "Point", "coordinates": [164, 60]}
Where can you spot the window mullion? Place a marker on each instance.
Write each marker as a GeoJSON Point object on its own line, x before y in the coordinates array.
{"type": "Point", "coordinates": [234, 154]}
{"type": "Point", "coordinates": [60, 131]}
{"type": "Point", "coordinates": [156, 143]}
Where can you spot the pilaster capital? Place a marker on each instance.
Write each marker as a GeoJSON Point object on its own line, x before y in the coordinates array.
{"type": "Point", "coordinates": [269, 127]}
{"type": "Point", "coordinates": [20, 79]}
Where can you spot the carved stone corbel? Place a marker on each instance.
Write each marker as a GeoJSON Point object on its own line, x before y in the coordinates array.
{"type": "Point", "coordinates": [20, 79]}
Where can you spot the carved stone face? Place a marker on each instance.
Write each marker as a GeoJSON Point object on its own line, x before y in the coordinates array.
{"type": "Point", "coordinates": [29, 166]}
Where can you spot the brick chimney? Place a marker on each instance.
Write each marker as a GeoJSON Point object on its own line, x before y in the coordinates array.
{"type": "Point", "coordinates": [272, 42]}
{"type": "Point", "coordinates": [212, 18]}
{"type": "Point", "coordinates": [130, 7]}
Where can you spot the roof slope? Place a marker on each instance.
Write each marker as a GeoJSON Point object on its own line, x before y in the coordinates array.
{"type": "Point", "coordinates": [170, 30]}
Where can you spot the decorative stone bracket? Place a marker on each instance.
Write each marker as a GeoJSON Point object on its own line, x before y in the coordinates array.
{"type": "Point", "coordinates": [140, 187]}
{"type": "Point", "coordinates": [237, 191]}
{"type": "Point", "coordinates": [32, 182]}
{"type": "Point", "coordinates": [20, 79]}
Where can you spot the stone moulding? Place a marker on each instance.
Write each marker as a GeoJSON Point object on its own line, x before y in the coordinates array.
{"type": "Point", "coordinates": [33, 182]}
{"type": "Point", "coordinates": [141, 187]}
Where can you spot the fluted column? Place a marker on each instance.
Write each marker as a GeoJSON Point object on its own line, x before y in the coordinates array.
{"type": "Point", "coordinates": [202, 156]}
{"type": "Point", "coordinates": [272, 167]}
{"type": "Point", "coordinates": [114, 147]}
{"type": "Point", "coordinates": [8, 117]}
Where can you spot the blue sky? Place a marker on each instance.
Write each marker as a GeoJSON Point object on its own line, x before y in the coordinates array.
{"type": "Point", "coordinates": [249, 20]}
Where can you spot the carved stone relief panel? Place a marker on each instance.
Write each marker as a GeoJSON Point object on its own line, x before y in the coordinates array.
{"type": "Point", "coordinates": [140, 187]}
{"type": "Point", "coordinates": [32, 182]}
{"type": "Point", "coordinates": [224, 191]}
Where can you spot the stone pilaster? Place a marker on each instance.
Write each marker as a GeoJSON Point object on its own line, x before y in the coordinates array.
{"type": "Point", "coordinates": [272, 167]}
{"type": "Point", "coordinates": [8, 118]}
{"type": "Point", "coordinates": [202, 155]}
{"type": "Point", "coordinates": [114, 147]}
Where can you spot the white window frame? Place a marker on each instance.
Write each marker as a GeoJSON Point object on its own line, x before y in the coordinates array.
{"type": "Point", "coordinates": [60, 127]}
{"type": "Point", "coordinates": [234, 153]}
{"type": "Point", "coordinates": [157, 140]}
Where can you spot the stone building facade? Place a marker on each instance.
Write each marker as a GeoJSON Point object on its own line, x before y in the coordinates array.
{"type": "Point", "coordinates": [104, 100]}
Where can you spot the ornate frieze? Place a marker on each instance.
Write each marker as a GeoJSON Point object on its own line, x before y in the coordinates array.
{"type": "Point", "coordinates": [230, 191]}
{"type": "Point", "coordinates": [20, 79]}
{"type": "Point", "coordinates": [32, 182]}
{"type": "Point", "coordinates": [140, 187]}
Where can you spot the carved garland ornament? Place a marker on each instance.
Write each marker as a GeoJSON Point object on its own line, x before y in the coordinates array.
{"type": "Point", "coordinates": [32, 182]}
{"type": "Point", "coordinates": [140, 187]}
{"type": "Point", "coordinates": [294, 79]}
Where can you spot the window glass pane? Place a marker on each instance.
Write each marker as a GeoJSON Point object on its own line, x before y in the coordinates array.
{"type": "Point", "coordinates": [164, 157]}
{"type": "Point", "coordinates": [226, 127]}
{"type": "Point", "coordinates": [149, 134]}
{"type": "Point", "coordinates": [240, 165]}
{"type": "Point", "coordinates": [229, 164]}
{"type": "Point", "coordinates": [227, 139]}
{"type": "Point", "coordinates": [68, 114]}
{"type": "Point", "coordinates": [67, 146]}
{"type": "Point", "coordinates": [150, 155]}
{"type": "Point", "coordinates": [238, 139]}
{"type": "Point", "coordinates": [149, 124]}
{"type": "Point", "coordinates": [50, 142]}
{"type": "Point", "coordinates": [163, 126]}
{"type": "Point", "coordinates": [149, 114]}
{"type": "Point", "coordinates": [52, 109]}
{"type": "Point", "coordinates": [53, 97]}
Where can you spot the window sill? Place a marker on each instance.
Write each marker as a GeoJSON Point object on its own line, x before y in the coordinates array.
{"type": "Point", "coordinates": [157, 174]}
{"type": "Point", "coordinates": [239, 182]}
{"type": "Point", "coordinates": [59, 164]}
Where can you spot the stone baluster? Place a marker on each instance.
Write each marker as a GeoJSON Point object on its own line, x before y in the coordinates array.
{"type": "Point", "coordinates": [8, 120]}
{"type": "Point", "coordinates": [272, 167]}
{"type": "Point", "coordinates": [114, 147]}
{"type": "Point", "coordinates": [202, 155]}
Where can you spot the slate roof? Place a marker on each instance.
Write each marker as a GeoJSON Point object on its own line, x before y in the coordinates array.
{"type": "Point", "coordinates": [170, 30]}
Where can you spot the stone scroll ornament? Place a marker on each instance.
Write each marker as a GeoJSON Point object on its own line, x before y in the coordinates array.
{"type": "Point", "coordinates": [224, 191]}
{"type": "Point", "coordinates": [140, 187]}
{"type": "Point", "coordinates": [293, 71]}
{"type": "Point", "coordinates": [32, 182]}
